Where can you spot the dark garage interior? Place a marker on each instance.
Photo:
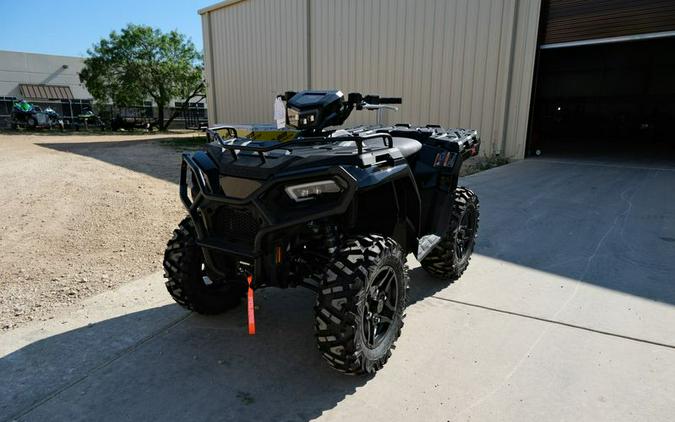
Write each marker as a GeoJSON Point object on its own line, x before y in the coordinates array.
{"type": "Point", "coordinates": [616, 98]}
{"type": "Point", "coordinates": [604, 80]}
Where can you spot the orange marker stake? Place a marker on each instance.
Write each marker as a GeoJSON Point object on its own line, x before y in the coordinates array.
{"type": "Point", "coordinates": [251, 308]}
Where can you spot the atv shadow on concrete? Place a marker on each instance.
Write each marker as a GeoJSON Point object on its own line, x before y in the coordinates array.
{"type": "Point", "coordinates": [167, 364]}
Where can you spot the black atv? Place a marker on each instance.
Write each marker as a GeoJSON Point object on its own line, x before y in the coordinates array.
{"type": "Point", "coordinates": [336, 211]}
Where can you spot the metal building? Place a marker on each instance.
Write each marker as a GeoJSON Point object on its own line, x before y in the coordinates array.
{"type": "Point", "coordinates": [467, 63]}
{"type": "Point", "coordinates": [41, 76]}
{"type": "Point", "coordinates": [43, 79]}
{"type": "Point", "coordinates": [53, 81]}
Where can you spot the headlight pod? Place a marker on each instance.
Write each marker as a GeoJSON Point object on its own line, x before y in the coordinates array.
{"type": "Point", "coordinates": [301, 119]}
{"type": "Point", "coordinates": [307, 191]}
{"type": "Point", "coordinates": [293, 117]}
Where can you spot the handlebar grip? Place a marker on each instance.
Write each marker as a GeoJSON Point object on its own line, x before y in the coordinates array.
{"type": "Point", "coordinates": [390, 100]}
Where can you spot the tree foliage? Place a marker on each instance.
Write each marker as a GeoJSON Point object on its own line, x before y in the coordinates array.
{"type": "Point", "coordinates": [139, 63]}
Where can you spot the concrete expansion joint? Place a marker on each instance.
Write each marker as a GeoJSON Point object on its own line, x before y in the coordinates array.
{"type": "Point", "coordinates": [551, 321]}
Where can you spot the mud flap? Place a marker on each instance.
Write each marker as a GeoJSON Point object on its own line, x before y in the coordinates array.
{"type": "Point", "coordinates": [426, 244]}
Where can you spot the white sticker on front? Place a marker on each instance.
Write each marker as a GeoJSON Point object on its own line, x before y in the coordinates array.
{"type": "Point", "coordinates": [279, 113]}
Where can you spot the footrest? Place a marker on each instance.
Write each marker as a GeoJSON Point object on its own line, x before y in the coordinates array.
{"type": "Point", "coordinates": [426, 244]}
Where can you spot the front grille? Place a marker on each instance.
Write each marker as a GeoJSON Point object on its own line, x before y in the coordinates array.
{"type": "Point", "coordinates": [236, 225]}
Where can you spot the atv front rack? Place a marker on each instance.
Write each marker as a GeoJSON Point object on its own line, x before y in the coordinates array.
{"type": "Point", "coordinates": [233, 147]}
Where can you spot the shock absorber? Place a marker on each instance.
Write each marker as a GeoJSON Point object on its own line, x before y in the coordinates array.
{"type": "Point", "coordinates": [315, 231]}
{"type": "Point", "coordinates": [330, 238]}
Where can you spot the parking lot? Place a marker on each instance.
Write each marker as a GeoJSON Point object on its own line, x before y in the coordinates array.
{"type": "Point", "coordinates": [565, 313]}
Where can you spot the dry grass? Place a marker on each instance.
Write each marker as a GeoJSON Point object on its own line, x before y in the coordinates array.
{"type": "Point", "coordinates": [484, 162]}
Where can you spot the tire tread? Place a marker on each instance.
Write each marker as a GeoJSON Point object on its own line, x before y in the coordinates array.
{"type": "Point", "coordinates": [441, 262]}
{"type": "Point", "coordinates": [337, 306]}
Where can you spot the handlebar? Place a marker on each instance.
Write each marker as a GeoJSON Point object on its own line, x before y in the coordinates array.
{"type": "Point", "coordinates": [334, 110]}
{"type": "Point", "coordinates": [376, 99]}
{"type": "Point", "coordinates": [390, 100]}
{"type": "Point", "coordinates": [373, 102]}
{"type": "Point", "coordinates": [365, 105]}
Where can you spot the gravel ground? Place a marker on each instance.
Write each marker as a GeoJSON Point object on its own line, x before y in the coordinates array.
{"type": "Point", "coordinates": [79, 215]}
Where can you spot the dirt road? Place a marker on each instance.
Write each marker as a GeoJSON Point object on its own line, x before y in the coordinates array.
{"type": "Point", "coordinates": [79, 215]}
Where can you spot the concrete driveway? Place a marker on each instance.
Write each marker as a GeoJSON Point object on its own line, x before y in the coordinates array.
{"type": "Point", "coordinates": [567, 312]}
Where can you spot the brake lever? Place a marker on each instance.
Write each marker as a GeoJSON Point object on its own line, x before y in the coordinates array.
{"type": "Point", "coordinates": [378, 106]}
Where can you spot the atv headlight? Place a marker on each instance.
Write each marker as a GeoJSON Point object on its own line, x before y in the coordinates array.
{"type": "Point", "coordinates": [293, 117]}
{"type": "Point", "coordinates": [301, 119]}
{"type": "Point", "coordinates": [307, 191]}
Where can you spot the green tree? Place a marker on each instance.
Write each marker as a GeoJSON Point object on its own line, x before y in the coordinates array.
{"type": "Point", "coordinates": [139, 63]}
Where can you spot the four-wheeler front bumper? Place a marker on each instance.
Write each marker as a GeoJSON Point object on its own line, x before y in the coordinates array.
{"type": "Point", "coordinates": [242, 227]}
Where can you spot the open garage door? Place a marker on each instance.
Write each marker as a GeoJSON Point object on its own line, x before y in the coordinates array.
{"type": "Point", "coordinates": [570, 22]}
{"type": "Point", "coordinates": [605, 78]}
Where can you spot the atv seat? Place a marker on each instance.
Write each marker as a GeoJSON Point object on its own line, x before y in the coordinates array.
{"type": "Point", "coordinates": [407, 146]}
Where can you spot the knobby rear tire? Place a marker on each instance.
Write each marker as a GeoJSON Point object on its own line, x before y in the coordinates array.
{"type": "Point", "coordinates": [447, 260]}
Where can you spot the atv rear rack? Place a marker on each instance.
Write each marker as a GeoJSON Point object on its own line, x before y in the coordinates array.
{"type": "Point", "coordinates": [262, 149]}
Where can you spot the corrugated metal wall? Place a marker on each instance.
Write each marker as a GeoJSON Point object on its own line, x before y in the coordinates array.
{"type": "Point", "coordinates": [461, 63]}
{"type": "Point", "coordinates": [253, 51]}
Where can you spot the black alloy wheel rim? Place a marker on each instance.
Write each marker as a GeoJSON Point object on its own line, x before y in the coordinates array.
{"type": "Point", "coordinates": [380, 306]}
{"type": "Point", "coordinates": [466, 233]}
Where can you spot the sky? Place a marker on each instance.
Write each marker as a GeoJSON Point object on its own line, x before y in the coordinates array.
{"type": "Point", "coordinates": [70, 27]}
